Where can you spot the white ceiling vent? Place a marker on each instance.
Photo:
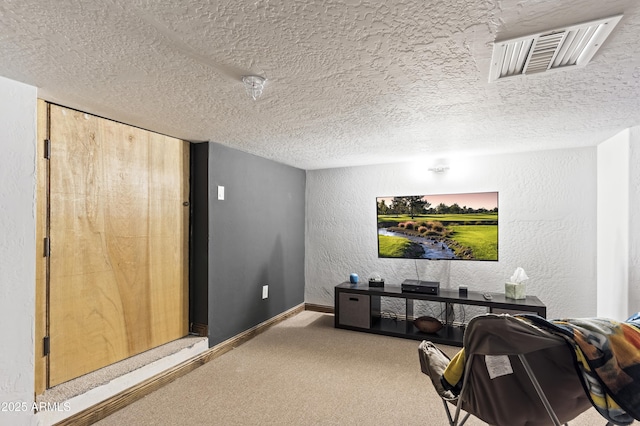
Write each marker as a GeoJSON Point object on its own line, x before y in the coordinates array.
{"type": "Point", "coordinates": [550, 50]}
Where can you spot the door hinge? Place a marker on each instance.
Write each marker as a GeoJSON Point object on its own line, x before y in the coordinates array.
{"type": "Point", "coordinates": [46, 346]}
{"type": "Point", "coordinates": [47, 149]}
{"type": "Point", "coordinates": [47, 247]}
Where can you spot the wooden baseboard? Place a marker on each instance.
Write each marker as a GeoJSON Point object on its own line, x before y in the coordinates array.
{"type": "Point", "coordinates": [109, 406]}
{"type": "Point", "coordinates": [319, 308]}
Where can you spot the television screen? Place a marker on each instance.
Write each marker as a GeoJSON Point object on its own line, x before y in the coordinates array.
{"type": "Point", "coordinates": [445, 226]}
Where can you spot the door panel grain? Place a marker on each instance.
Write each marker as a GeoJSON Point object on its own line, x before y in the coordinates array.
{"type": "Point", "coordinates": [118, 282]}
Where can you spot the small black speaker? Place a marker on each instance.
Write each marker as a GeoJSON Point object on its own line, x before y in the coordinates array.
{"type": "Point", "coordinates": [462, 291]}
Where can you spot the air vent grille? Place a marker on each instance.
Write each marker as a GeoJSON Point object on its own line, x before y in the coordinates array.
{"type": "Point", "coordinates": [544, 50]}
{"type": "Point", "coordinates": [559, 48]}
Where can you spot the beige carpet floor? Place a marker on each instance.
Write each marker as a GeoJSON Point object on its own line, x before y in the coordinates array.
{"type": "Point", "coordinates": [303, 371]}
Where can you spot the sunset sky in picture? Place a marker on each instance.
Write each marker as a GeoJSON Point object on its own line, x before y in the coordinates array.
{"type": "Point", "coordinates": [476, 200]}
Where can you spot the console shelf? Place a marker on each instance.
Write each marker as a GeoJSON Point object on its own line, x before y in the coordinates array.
{"type": "Point", "coordinates": [357, 307]}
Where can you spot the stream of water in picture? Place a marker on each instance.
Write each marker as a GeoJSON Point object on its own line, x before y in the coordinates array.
{"type": "Point", "coordinates": [432, 249]}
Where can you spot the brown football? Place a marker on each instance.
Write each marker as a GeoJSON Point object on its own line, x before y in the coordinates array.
{"type": "Point", "coordinates": [427, 324]}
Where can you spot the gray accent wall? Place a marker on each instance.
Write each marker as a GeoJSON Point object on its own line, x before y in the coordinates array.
{"type": "Point", "coordinates": [256, 238]}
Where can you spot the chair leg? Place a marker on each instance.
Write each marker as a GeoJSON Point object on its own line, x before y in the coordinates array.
{"type": "Point", "coordinates": [464, 419]}
{"type": "Point", "coordinates": [451, 420]}
{"type": "Point", "coordinates": [539, 390]}
{"type": "Point", "coordinates": [446, 410]}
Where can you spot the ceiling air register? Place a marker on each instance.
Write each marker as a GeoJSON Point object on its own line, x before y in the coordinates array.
{"type": "Point", "coordinates": [573, 46]}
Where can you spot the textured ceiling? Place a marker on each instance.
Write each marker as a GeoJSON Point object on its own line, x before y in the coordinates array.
{"type": "Point", "coordinates": [350, 82]}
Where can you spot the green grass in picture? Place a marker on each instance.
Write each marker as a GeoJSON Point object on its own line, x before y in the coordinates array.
{"type": "Point", "coordinates": [475, 217]}
{"type": "Point", "coordinates": [462, 217]}
{"type": "Point", "coordinates": [482, 239]}
{"type": "Point", "coordinates": [392, 246]}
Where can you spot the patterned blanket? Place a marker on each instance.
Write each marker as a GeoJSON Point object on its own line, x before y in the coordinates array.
{"type": "Point", "coordinates": [608, 357]}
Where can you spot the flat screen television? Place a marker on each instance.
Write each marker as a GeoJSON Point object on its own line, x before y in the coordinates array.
{"type": "Point", "coordinates": [440, 226]}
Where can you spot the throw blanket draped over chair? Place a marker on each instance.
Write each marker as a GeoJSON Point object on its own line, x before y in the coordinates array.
{"type": "Point", "coordinates": [608, 355]}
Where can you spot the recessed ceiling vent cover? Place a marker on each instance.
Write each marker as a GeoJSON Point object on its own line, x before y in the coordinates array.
{"type": "Point", "coordinates": [573, 46]}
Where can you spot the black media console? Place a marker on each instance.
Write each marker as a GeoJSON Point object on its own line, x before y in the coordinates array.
{"type": "Point", "coordinates": [357, 307]}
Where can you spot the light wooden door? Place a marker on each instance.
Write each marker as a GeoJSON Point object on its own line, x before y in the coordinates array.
{"type": "Point", "coordinates": [118, 227]}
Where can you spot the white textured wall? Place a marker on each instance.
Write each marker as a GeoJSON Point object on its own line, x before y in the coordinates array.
{"type": "Point", "coordinates": [547, 203]}
{"type": "Point", "coordinates": [613, 226]}
{"type": "Point", "coordinates": [17, 247]}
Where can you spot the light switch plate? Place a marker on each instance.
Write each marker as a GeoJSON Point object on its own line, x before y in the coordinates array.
{"type": "Point", "coordinates": [220, 192]}
{"type": "Point", "coordinates": [265, 291]}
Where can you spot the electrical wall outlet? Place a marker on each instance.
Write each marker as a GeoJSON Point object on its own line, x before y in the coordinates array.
{"type": "Point", "coordinates": [265, 291]}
